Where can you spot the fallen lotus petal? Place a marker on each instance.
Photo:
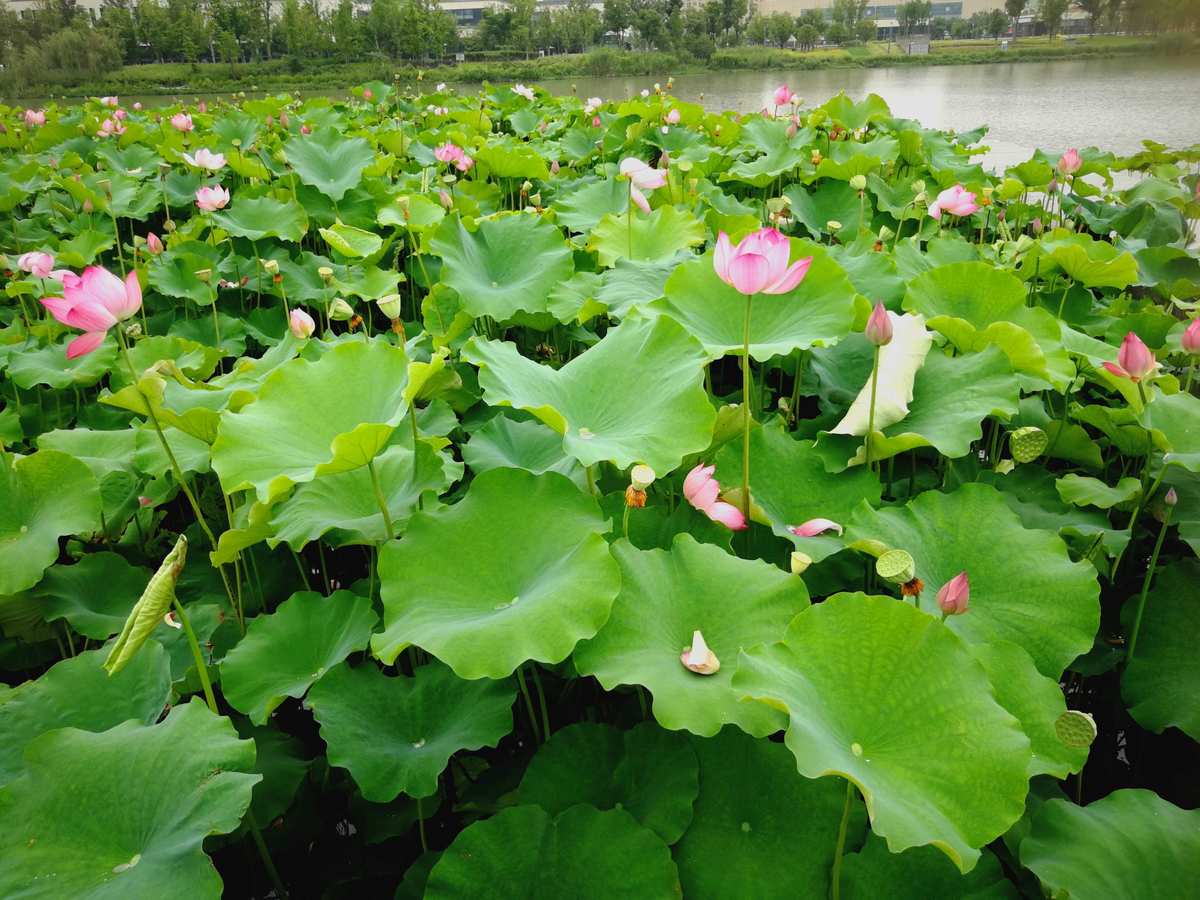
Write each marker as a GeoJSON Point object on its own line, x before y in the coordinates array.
{"type": "Point", "coordinates": [698, 658]}
{"type": "Point", "coordinates": [813, 527]}
{"type": "Point", "coordinates": [899, 362]}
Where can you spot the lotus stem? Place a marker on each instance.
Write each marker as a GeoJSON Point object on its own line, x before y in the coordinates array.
{"type": "Point", "coordinates": [201, 666]}
{"type": "Point", "coordinates": [379, 498]}
{"type": "Point", "coordinates": [871, 413]}
{"type": "Point", "coordinates": [533, 722]}
{"type": "Point", "coordinates": [1187, 384]}
{"type": "Point", "coordinates": [1141, 607]}
{"type": "Point", "coordinates": [1133, 518]}
{"type": "Point", "coordinates": [537, 686]}
{"type": "Point", "coordinates": [835, 876]}
{"type": "Point", "coordinates": [746, 384]}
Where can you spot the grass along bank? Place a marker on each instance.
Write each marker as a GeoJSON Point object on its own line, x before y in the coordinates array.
{"type": "Point", "coordinates": [327, 75]}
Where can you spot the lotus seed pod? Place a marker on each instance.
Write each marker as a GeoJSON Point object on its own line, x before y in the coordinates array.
{"type": "Point", "coordinates": [1075, 728]}
{"type": "Point", "coordinates": [1028, 443]}
{"type": "Point", "coordinates": [859, 182]}
{"type": "Point", "coordinates": [325, 272]}
{"type": "Point", "coordinates": [833, 225]}
{"type": "Point", "coordinates": [389, 305]}
{"type": "Point", "coordinates": [271, 265]}
{"type": "Point", "coordinates": [896, 566]}
{"type": "Point", "coordinates": [641, 477]}
{"type": "Point", "coordinates": [154, 603]}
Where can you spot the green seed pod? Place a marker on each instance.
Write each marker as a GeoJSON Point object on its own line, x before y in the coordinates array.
{"type": "Point", "coordinates": [154, 603]}
{"type": "Point", "coordinates": [896, 566]}
{"type": "Point", "coordinates": [1027, 443]}
{"type": "Point", "coordinates": [1075, 728]}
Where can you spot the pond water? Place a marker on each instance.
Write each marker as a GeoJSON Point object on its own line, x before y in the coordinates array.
{"type": "Point", "coordinates": [1109, 103]}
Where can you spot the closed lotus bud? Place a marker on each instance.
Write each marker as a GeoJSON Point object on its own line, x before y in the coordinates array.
{"type": "Point", "coordinates": [1036, 226]}
{"type": "Point", "coordinates": [799, 562]}
{"type": "Point", "coordinates": [879, 326]}
{"type": "Point", "coordinates": [896, 566]}
{"type": "Point", "coordinates": [325, 272]}
{"type": "Point", "coordinates": [1028, 443]}
{"type": "Point", "coordinates": [389, 305]}
{"type": "Point", "coordinates": [554, 167]}
{"type": "Point", "coordinates": [859, 182]}
{"type": "Point", "coordinates": [271, 265]}
{"type": "Point", "coordinates": [641, 477]}
{"type": "Point", "coordinates": [1191, 338]}
{"type": "Point", "coordinates": [341, 311]}
{"type": "Point", "coordinates": [954, 595]}
{"type": "Point", "coordinates": [791, 130]}
{"type": "Point", "coordinates": [300, 324]}
{"type": "Point", "coordinates": [154, 243]}
{"type": "Point", "coordinates": [154, 603]}
{"type": "Point", "coordinates": [698, 658]}
{"type": "Point", "coordinates": [1171, 497]}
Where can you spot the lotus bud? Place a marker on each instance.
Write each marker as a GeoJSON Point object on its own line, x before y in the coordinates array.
{"type": "Point", "coordinates": [446, 200]}
{"type": "Point", "coordinates": [954, 595]}
{"type": "Point", "coordinates": [859, 182]}
{"type": "Point", "coordinates": [149, 610]}
{"type": "Point", "coordinates": [1191, 338]}
{"type": "Point", "coordinates": [896, 566]}
{"type": "Point", "coordinates": [154, 244]}
{"type": "Point", "coordinates": [1171, 497]}
{"type": "Point", "coordinates": [1135, 361]}
{"type": "Point", "coordinates": [885, 233]}
{"type": "Point", "coordinates": [641, 477]}
{"type": "Point", "coordinates": [1027, 443]}
{"type": "Point", "coordinates": [389, 305]}
{"type": "Point", "coordinates": [799, 562]}
{"type": "Point", "coordinates": [1052, 187]}
{"type": "Point", "coordinates": [698, 658]}
{"type": "Point", "coordinates": [1036, 226]}
{"type": "Point", "coordinates": [341, 311]}
{"type": "Point", "coordinates": [87, 206]}
{"type": "Point", "coordinates": [271, 265]}
{"type": "Point", "coordinates": [325, 272]}
{"type": "Point", "coordinates": [554, 167]}
{"type": "Point", "coordinates": [301, 324]}
{"type": "Point", "coordinates": [791, 130]}
{"type": "Point", "coordinates": [879, 326]}
{"type": "Point", "coordinates": [1075, 729]}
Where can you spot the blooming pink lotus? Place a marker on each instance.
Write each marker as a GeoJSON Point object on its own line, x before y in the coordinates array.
{"type": "Point", "coordinates": [301, 324]}
{"type": "Point", "coordinates": [447, 152]}
{"type": "Point", "coordinates": [1134, 360]}
{"type": "Point", "coordinates": [181, 121]}
{"type": "Point", "coordinates": [957, 201]}
{"type": "Point", "coordinates": [108, 101]}
{"type": "Point", "coordinates": [701, 490]}
{"type": "Point", "coordinates": [206, 159]}
{"type": "Point", "coordinates": [879, 326]}
{"type": "Point", "coordinates": [1191, 338]}
{"type": "Point", "coordinates": [523, 91]}
{"type": "Point", "coordinates": [813, 527]}
{"type": "Point", "coordinates": [954, 595]}
{"type": "Point", "coordinates": [642, 177]}
{"type": "Point", "coordinates": [592, 104]}
{"type": "Point", "coordinates": [673, 117]}
{"type": "Point", "coordinates": [464, 163]}
{"type": "Point", "coordinates": [138, 106]}
{"type": "Point", "coordinates": [1070, 162]}
{"type": "Point", "coordinates": [783, 95]}
{"type": "Point", "coordinates": [109, 127]}
{"type": "Point", "coordinates": [368, 94]}
{"type": "Point", "coordinates": [154, 244]}
{"type": "Point", "coordinates": [212, 197]}
{"type": "Point", "coordinates": [35, 117]}
{"type": "Point", "coordinates": [36, 263]}
{"type": "Point", "coordinates": [94, 302]}
{"type": "Point", "coordinates": [120, 115]}
{"type": "Point", "coordinates": [759, 263]}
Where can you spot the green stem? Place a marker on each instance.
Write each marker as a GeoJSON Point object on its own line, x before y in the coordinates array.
{"type": "Point", "coordinates": [746, 411]}
{"type": "Point", "coordinates": [533, 724]}
{"type": "Point", "coordinates": [265, 855]}
{"type": "Point", "coordinates": [1141, 607]}
{"type": "Point", "coordinates": [1187, 384]}
{"type": "Point", "coordinates": [591, 479]}
{"type": "Point", "coordinates": [201, 667]}
{"type": "Point", "coordinates": [537, 686]}
{"type": "Point", "coordinates": [871, 413]}
{"type": "Point", "coordinates": [1133, 518]}
{"type": "Point", "coordinates": [387, 517]}
{"type": "Point", "coordinates": [1062, 303]}
{"type": "Point", "coordinates": [625, 522]}
{"type": "Point", "coordinates": [835, 876]}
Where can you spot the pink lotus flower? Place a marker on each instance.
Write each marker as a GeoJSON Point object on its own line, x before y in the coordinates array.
{"type": "Point", "coordinates": [301, 324]}
{"type": "Point", "coordinates": [1134, 360]}
{"type": "Point", "coordinates": [202, 106]}
{"type": "Point", "coordinates": [368, 94]}
{"type": "Point", "coordinates": [955, 200]}
{"type": "Point", "coordinates": [879, 326]}
{"type": "Point", "coordinates": [464, 163]}
{"type": "Point", "coordinates": [94, 302]}
{"type": "Point", "coordinates": [523, 91]}
{"type": "Point", "coordinates": [1070, 162]}
{"type": "Point", "coordinates": [109, 127]}
{"type": "Point", "coordinates": [447, 153]}
{"type": "Point", "coordinates": [641, 178]}
{"type": "Point", "coordinates": [65, 277]}
{"type": "Point", "coordinates": [284, 120]}
{"type": "Point", "coordinates": [120, 115]}
{"type": "Point", "coordinates": [206, 159]}
{"type": "Point", "coordinates": [212, 198]}
{"type": "Point", "coordinates": [181, 121]}
{"type": "Point", "coordinates": [673, 117]}
{"type": "Point", "coordinates": [593, 104]}
{"type": "Point", "coordinates": [154, 244]}
{"type": "Point", "coordinates": [1191, 338]}
{"type": "Point", "coordinates": [783, 95]}
{"type": "Point", "coordinates": [701, 490]}
{"type": "Point", "coordinates": [554, 167]}
{"type": "Point", "coordinates": [813, 527]}
{"type": "Point", "coordinates": [37, 263]}
{"type": "Point", "coordinates": [306, 129]}
{"type": "Point", "coordinates": [445, 199]}
{"type": "Point", "coordinates": [759, 263]}
{"type": "Point", "coordinates": [595, 121]}
{"type": "Point", "coordinates": [138, 106]}
{"type": "Point", "coordinates": [954, 595]}
{"type": "Point", "coordinates": [35, 117]}
{"type": "Point", "coordinates": [108, 101]}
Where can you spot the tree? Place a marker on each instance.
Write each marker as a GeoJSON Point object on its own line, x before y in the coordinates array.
{"type": "Point", "coordinates": [345, 30]}
{"type": "Point", "coordinates": [780, 27]}
{"type": "Point", "coordinates": [1051, 14]}
{"type": "Point", "coordinates": [1015, 9]}
{"type": "Point", "coordinates": [995, 23]}
{"type": "Point", "coordinates": [618, 16]}
{"type": "Point", "coordinates": [806, 37]}
{"type": "Point", "coordinates": [914, 14]}
{"type": "Point", "coordinates": [837, 33]}
{"type": "Point", "coordinates": [866, 30]}
{"type": "Point", "coordinates": [812, 18]}
{"type": "Point", "coordinates": [848, 12]}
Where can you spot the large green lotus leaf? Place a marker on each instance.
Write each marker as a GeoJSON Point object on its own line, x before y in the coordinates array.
{"type": "Point", "coordinates": [599, 402]}
{"type": "Point", "coordinates": [952, 395]}
{"type": "Point", "coordinates": [976, 305]}
{"type": "Point", "coordinates": [78, 693]}
{"type": "Point", "coordinates": [584, 203]}
{"type": "Point", "coordinates": [1080, 490]}
{"type": "Point", "coordinates": [649, 772]}
{"type": "Point", "coordinates": [49, 365]}
{"type": "Point", "coordinates": [329, 160]}
{"type": "Point", "coordinates": [885, 695]}
{"type": "Point", "coordinates": [283, 654]}
{"type": "Point", "coordinates": [755, 815]}
{"type": "Point", "coordinates": [256, 218]}
{"type": "Point", "coordinates": [1013, 570]}
{"type": "Point", "coordinates": [1088, 261]}
{"type": "Point", "coordinates": [1036, 701]}
{"type": "Point", "coordinates": [42, 497]}
{"type": "Point", "coordinates": [508, 265]}
{"type": "Point", "coordinates": [921, 873]}
{"type": "Point", "coordinates": [506, 443]}
{"type": "Point", "coordinates": [523, 853]}
{"type": "Point", "coordinates": [95, 595]}
{"type": "Point", "coordinates": [398, 734]}
{"type": "Point", "coordinates": [351, 242]}
{"type": "Point", "coordinates": [788, 480]}
{"type": "Point", "coordinates": [1161, 684]}
{"type": "Point", "coordinates": [282, 762]}
{"type": "Point", "coordinates": [314, 418]}
{"type": "Point", "coordinates": [1175, 419]}
{"type": "Point", "coordinates": [832, 201]}
{"type": "Point", "coordinates": [514, 160]}
{"type": "Point", "coordinates": [345, 503]}
{"type": "Point", "coordinates": [658, 236]}
{"type": "Point", "coordinates": [665, 596]}
{"type": "Point", "coordinates": [124, 813]}
{"type": "Point", "coordinates": [819, 312]}
{"type": "Point", "coordinates": [517, 570]}
{"type": "Point", "coordinates": [104, 452]}
{"type": "Point", "coordinates": [1130, 844]}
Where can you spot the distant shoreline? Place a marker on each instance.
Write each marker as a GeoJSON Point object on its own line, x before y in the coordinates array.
{"type": "Point", "coordinates": [329, 76]}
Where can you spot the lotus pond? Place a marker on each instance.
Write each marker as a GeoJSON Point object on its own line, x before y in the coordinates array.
{"type": "Point", "coordinates": [512, 495]}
